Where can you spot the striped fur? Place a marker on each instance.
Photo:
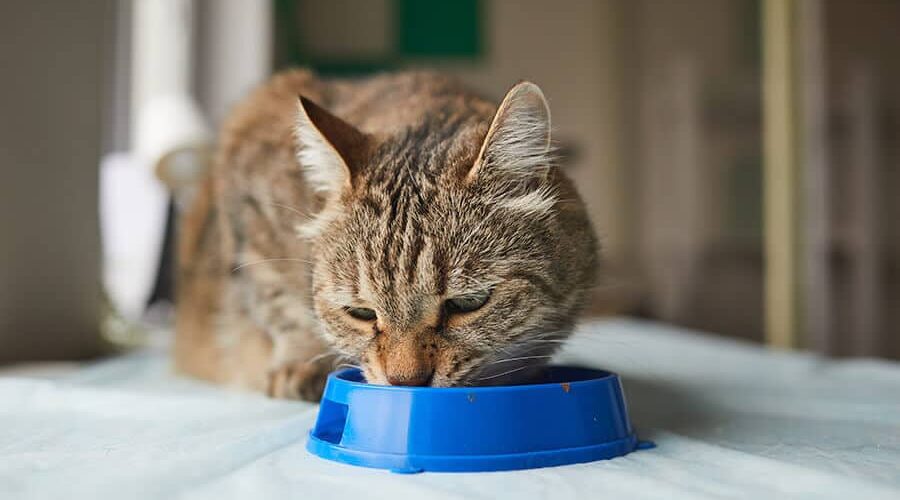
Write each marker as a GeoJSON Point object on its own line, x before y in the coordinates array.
{"type": "Point", "coordinates": [420, 192]}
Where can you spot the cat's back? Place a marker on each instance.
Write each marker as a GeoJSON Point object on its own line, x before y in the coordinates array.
{"type": "Point", "coordinates": [381, 105]}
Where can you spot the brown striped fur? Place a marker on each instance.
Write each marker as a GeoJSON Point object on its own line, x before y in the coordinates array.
{"type": "Point", "coordinates": [394, 193]}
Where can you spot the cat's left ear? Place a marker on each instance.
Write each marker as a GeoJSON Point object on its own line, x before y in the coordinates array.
{"type": "Point", "coordinates": [328, 148]}
{"type": "Point", "coordinates": [517, 145]}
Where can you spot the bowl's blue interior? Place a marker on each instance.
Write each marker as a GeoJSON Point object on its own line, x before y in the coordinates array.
{"type": "Point", "coordinates": [549, 375]}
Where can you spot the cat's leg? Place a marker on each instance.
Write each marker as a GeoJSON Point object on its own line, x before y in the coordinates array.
{"type": "Point", "coordinates": [283, 365]}
{"type": "Point", "coordinates": [298, 372]}
{"type": "Point", "coordinates": [201, 283]}
{"type": "Point", "coordinates": [270, 283]}
{"type": "Point", "coordinates": [195, 349]}
{"type": "Point", "coordinates": [299, 360]}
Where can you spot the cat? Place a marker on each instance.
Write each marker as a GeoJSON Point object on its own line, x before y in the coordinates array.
{"type": "Point", "coordinates": [400, 223]}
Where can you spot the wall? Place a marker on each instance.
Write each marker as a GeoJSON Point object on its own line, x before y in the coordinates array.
{"type": "Point", "coordinates": [50, 139]}
{"type": "Point", "coordinates": [567, 49]}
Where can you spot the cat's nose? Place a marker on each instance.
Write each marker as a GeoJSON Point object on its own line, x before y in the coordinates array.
{"type": "Point", "coordinates": [415, 379]}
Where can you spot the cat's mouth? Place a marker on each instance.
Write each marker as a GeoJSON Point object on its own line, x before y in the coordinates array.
{"type": "Point", "coordinates": [507, 367]}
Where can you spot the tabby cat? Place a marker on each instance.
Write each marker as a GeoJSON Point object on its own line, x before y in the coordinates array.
{"type": "Point", "coordinates": [400, 223]}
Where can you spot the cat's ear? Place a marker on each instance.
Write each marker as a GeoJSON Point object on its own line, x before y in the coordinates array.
{"type": "Point", "coordinates": [517, 145]}
{"type": "Point", "coordinates": [328, 148]}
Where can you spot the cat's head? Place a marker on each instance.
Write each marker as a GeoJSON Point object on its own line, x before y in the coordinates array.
{"type": "Point", "coordinates": [452, 253]}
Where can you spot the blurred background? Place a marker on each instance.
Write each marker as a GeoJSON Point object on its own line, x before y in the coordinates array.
{"type": "Point", "coordinates": [740, 158]}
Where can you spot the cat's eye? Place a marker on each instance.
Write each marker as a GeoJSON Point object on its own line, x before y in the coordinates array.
{"type": "Point", "coordinates": [467, 303]}
{"type": "Point", "coordinates": [361, 313]}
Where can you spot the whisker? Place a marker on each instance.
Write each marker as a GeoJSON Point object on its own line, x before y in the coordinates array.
{"type": "Point", "coordinates": [520, 358]}
{"type": "Point", "coordinates": [348, 365]}
{"type": "Point", "coordinates": [543, 337]}
{"type": "Point", "coordinates": [321, 356]}
{"type": "Point", "coordinates": [253, 263]}
{"type": "Point", "coordinates": [504, 373]}
{"type": "Point", "coordinates": [521, 348]}
{"type": "Point", "coordinates": [541, 341]}
{"type": "Point", "coordinates": [545, 340]}
{"type": "Point", "coordinates": [292, 209]}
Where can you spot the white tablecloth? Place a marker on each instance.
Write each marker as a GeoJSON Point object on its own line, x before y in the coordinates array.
{"type": "Point", "coordinates": [730, 420]}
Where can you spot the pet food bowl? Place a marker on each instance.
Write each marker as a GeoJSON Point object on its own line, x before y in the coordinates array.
{"type": "Point", "coordinates": [572, 415]}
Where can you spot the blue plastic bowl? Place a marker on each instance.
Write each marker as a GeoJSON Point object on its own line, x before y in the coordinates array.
{"type": "Point", "coordinates": [574, 415]}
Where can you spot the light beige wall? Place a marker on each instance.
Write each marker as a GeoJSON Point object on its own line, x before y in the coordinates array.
{"type": "Point", "coordinates": [51, 57]}
{"type": "Point", "coordinates": [862, 40]}
{"type": "Point", "coordinates": [234, 51]}
{"type": "Point", "coordinates": [566, 47]}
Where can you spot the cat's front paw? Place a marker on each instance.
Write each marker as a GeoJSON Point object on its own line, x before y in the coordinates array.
{"type": "Point", "coordinates": [298, 380]}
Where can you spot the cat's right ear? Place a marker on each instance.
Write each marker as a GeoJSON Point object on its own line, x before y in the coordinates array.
{"type": "Point", "coordinates": [517, 145]}
{"type": "Point", "coordinates": [329, 149]}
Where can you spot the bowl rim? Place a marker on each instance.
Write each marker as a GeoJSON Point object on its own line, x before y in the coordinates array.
{"type": "Point", "coordinates": [405, 463]}
{"type": "Point", "coordinates": [603, 376]}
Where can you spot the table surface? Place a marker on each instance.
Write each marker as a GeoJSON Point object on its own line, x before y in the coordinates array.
{"type": "Point", "coordinates": [731, 420]}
